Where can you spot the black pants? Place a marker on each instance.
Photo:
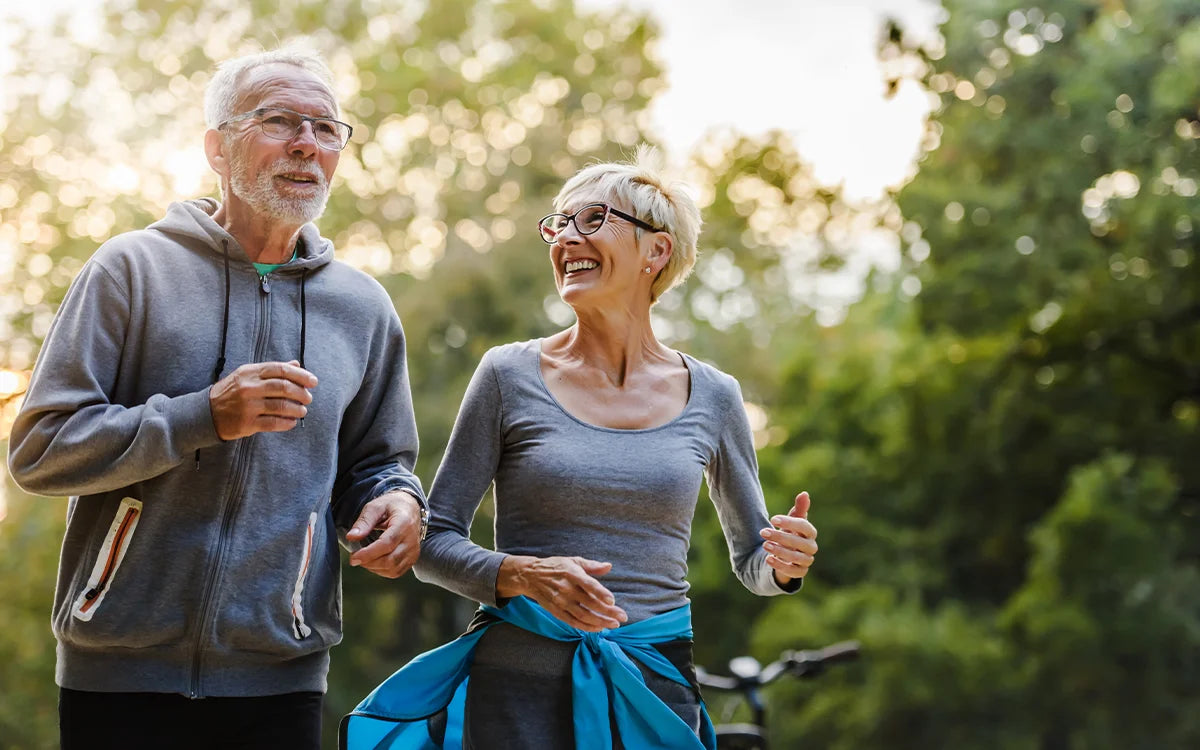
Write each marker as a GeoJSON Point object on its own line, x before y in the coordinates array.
{"type": "Point", "coordinates": [165, 721]}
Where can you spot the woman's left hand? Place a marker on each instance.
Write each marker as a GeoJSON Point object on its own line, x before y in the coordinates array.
{"type": "Point", "coordinates": [792, 544]}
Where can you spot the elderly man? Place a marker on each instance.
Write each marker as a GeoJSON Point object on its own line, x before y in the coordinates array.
{"type": "Point", "coordinates": [222, 400]}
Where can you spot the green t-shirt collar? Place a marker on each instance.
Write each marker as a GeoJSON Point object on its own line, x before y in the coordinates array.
{"type": "Point", "coordinates": [266, 268]}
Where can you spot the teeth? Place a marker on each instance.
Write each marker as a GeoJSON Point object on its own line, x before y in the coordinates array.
{"type": "Point", "coordinates": [581, 265]}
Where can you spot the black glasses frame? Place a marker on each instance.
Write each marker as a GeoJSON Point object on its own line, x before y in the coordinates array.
{"type": "Point", "coordinates": [258, 114]}
{"type": "Point", "coordinates": [569, 218]}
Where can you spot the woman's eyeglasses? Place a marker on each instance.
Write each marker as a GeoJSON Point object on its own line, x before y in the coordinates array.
{"type": "Point", "coordinates": [588, 220]}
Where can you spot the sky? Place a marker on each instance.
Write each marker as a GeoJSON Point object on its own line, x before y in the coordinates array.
{"type": "Point", "coordinates": [807, 67]}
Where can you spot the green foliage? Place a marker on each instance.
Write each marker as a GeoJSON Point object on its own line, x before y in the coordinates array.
{"type": "Point", "coordinates": [1004, 439]}
{"type": "Point", "coordinates": [30, 537]}
{"type": "Point", "coordinates": [927, 678]}
{"type": "Point", "coordinates": [1108, 615]}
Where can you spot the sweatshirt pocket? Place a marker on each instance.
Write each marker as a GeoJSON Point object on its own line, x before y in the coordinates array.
{"type": "Point", "coordinates": [299, 628]}
{"type": "Point", "coordinates": [108, 560]}
{"type": "Point", "coordinates": [281, 594]}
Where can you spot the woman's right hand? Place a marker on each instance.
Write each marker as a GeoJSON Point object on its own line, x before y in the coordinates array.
{"type": "Point", "coordinates": [566, 587]}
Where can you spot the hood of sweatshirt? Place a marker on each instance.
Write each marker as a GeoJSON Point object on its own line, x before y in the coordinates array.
{"type": "Point", "coordinates": [191, 223]}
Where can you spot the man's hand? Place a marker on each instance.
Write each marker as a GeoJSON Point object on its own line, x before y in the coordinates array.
{"type": "Point", "coordinates": [565, 586]}
{"type": "Point", "coordinates": [792, 545]}
{"type": "Point", "coordinates": [260, 397]}
{"type": "Point", "coordinates": [398, 514]}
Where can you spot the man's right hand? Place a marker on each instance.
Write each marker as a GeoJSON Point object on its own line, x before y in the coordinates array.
{"type": "Point", "coordinates": [260, 397]}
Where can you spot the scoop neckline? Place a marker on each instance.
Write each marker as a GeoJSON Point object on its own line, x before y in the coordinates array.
{"type": "Point", "coordinates": [537, 366]}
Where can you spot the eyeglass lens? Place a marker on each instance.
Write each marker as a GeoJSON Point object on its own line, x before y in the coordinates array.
{"type": "Point", "coordinates": [587, 220]}
{"type": "Point", "coordinates": [284, 126]}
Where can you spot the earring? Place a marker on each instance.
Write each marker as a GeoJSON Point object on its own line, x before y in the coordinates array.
{"type": "Point", "coordinates": [647, 269]}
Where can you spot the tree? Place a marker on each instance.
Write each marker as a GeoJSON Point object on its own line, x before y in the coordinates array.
{"type": "Point", "coordinates": [1008, 427]}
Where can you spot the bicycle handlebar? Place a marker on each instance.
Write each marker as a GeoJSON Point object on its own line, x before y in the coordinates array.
{"type": "Point", "coordinates": [804, 663]}
{"type": "Point", "coordinates": [716, 681]}
{"type": "Point", "coordinates": [795, 663]}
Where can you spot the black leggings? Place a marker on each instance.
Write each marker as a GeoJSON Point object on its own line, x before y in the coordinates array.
{"type": "Point", "coordinates": [166, 721]}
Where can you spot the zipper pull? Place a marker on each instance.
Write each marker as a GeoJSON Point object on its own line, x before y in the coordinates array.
{"type": "Point", "coordinates": [266, 283]}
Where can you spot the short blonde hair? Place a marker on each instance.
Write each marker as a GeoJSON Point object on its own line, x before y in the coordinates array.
{"type": "Point", "coordinates": [641, 184]}
{"type": "Point", "coordinates": [224, 91]}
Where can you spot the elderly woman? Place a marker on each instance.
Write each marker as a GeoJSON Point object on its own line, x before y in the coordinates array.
{"type": "Point", "coordinates": [596, 439]}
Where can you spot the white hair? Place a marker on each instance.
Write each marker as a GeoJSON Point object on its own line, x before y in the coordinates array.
{"type": "Point", "coordinates": [224, 90]}
{"type": "Point", "coordinates": [642, 185]}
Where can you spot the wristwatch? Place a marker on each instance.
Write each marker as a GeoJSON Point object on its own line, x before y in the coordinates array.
{"type": "Point", "coordinates": [424, 520]}
{"type": "Point", "coordinates": [424, 510]}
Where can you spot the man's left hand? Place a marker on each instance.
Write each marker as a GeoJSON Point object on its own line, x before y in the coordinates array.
{"type": "Point", "coordinates": [398, 515]}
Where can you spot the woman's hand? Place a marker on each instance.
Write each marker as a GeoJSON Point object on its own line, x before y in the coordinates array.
{"type": "Point", "coordinates": [792, 544]}
{"type": "Point", "coordinates": [566, 587]}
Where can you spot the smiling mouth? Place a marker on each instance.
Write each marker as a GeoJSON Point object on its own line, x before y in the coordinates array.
{"type": "Point", "coordinates": [578, 266]}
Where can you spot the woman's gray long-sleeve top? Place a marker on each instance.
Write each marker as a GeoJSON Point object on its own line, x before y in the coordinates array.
{"type": "Point", "coordinates": [565, 487]}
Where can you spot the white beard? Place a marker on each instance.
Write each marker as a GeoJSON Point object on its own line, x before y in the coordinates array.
{"type": "Point", "coordinates": [260, 193]}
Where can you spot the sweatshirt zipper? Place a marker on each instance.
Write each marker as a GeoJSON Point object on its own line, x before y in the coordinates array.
{"type": "Point", "coordinates": [108, 559]}
{"type": "Point", "coordinates": [299, 628]}
{"type": "Point", "coordinates": [110, 564]}
{"type": "Point", "coordinates": [232, 503]}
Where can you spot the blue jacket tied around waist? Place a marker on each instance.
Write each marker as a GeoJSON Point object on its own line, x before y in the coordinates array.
{"type": "Point", "coordinates": [604, 678]}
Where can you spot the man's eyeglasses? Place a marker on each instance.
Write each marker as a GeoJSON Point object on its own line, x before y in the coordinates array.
{"type": "Point", "coordinates": [588, 220]}
{"type": "Point", "coordinates": [284, 124]}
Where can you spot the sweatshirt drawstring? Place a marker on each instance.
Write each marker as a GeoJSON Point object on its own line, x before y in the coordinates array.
{"type": "Point", "coordinates": [303, 322]}
{"type": "Point", "coordinates": [303, 315]}
{"type": "Point", "coordinates": [225, 319]}
{"type": "Point", "coordinates": [225, 329]}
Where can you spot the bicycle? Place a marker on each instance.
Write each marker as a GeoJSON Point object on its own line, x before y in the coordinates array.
{"type": "Point", "coordinates": [749, 677]}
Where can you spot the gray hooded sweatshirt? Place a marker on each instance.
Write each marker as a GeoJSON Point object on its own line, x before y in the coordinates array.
{"type": "Point", "coordinates": [192, 565]}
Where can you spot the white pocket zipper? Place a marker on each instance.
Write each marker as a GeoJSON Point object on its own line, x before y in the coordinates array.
{"type": "Point", "coordinates": [299, 629]}
{"type": "Point", "coordinates": [112, 552]}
